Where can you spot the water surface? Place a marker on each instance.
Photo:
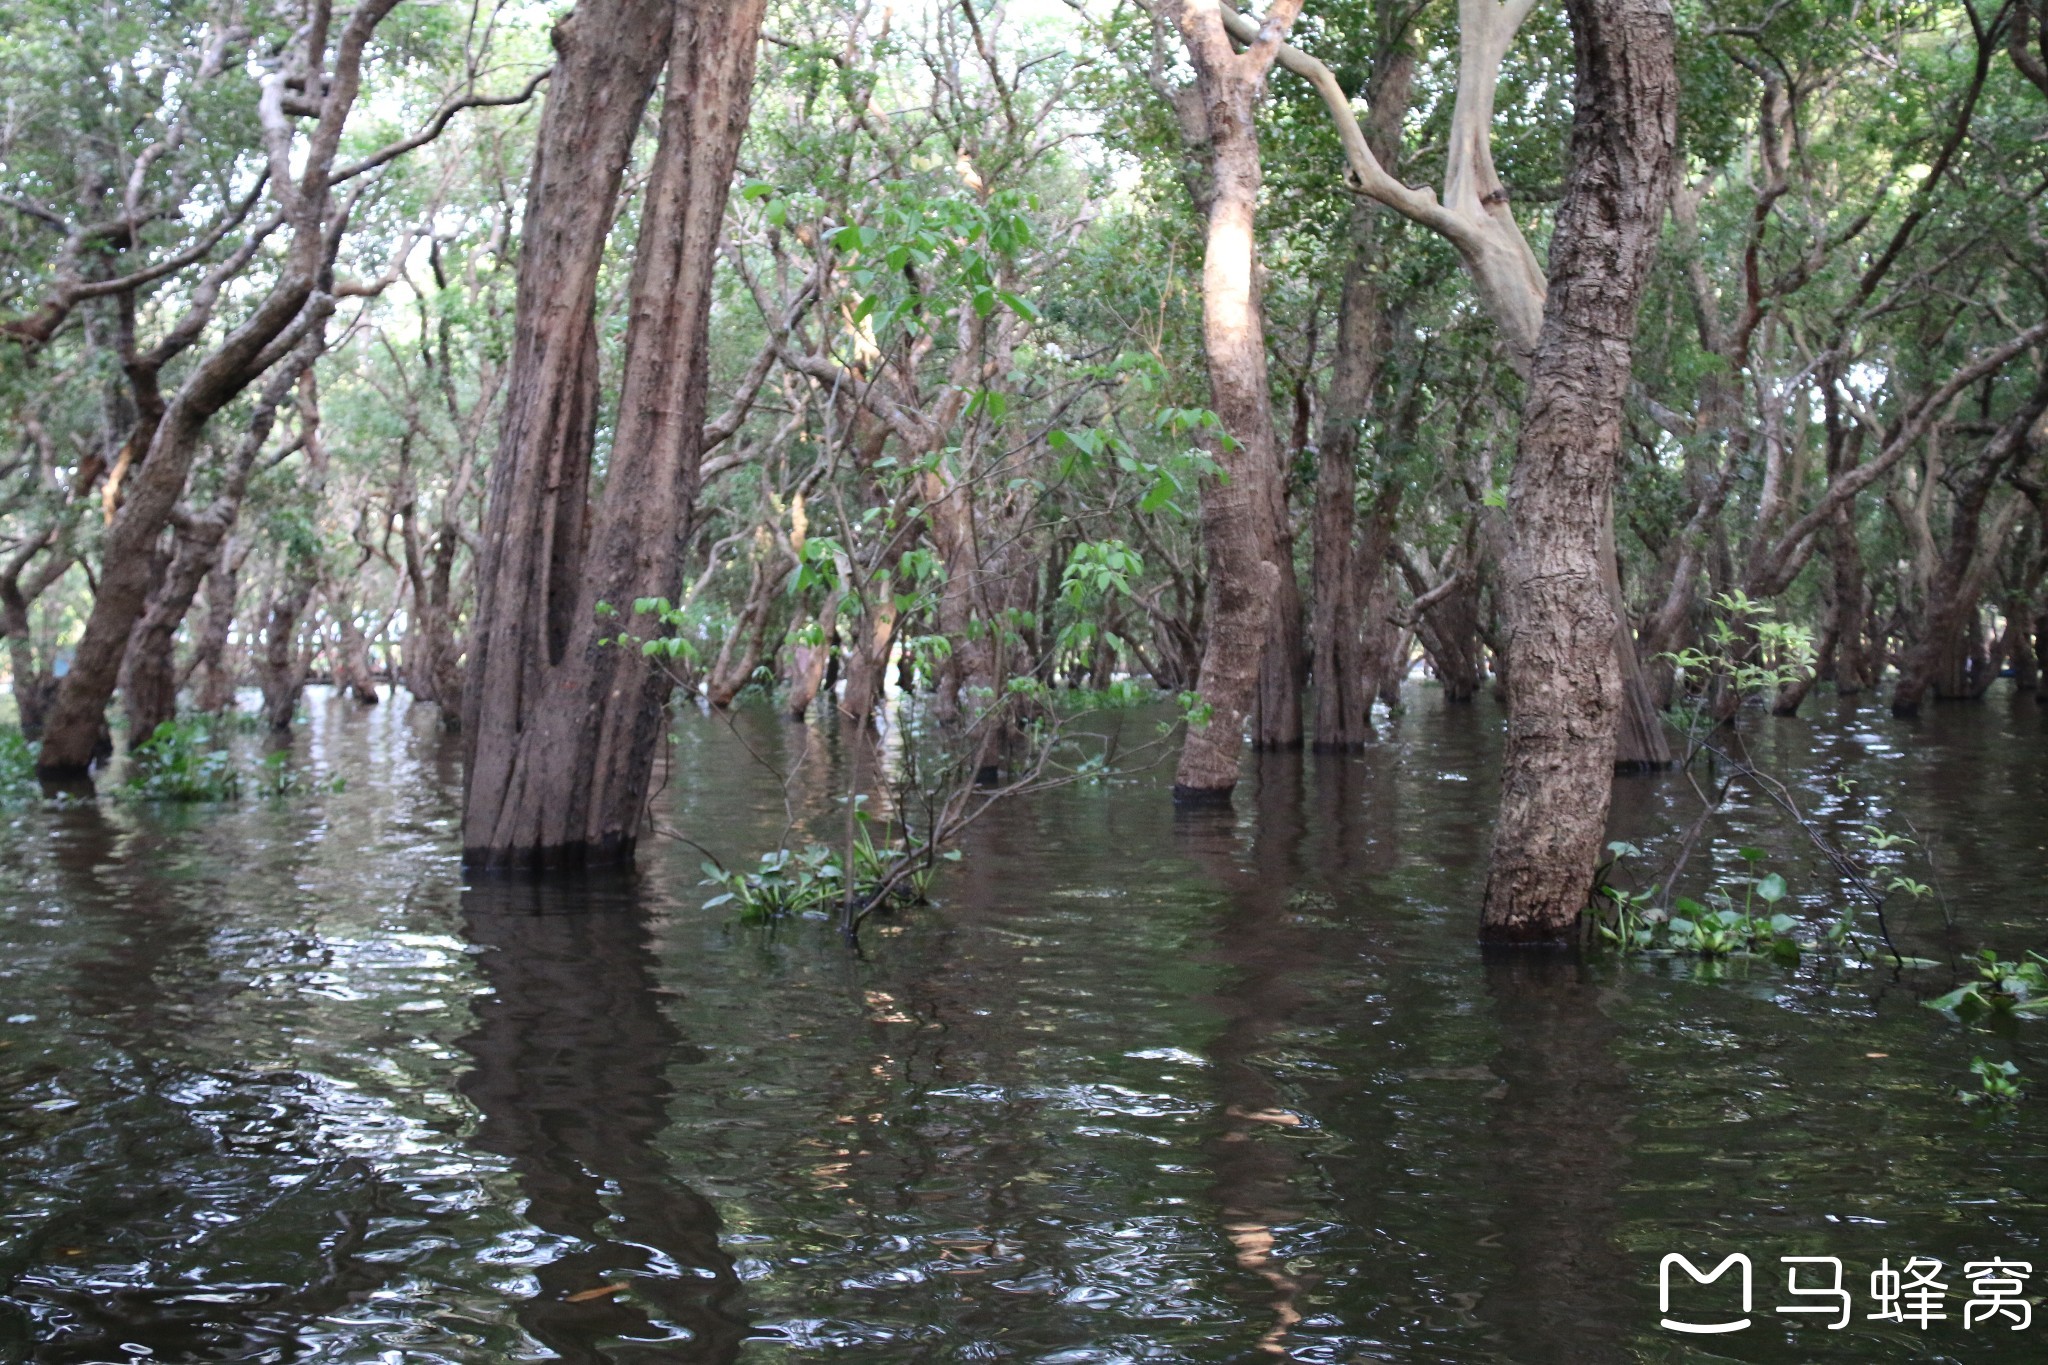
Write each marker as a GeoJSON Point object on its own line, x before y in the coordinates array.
{"type": "Point", "coordinates": [276, 1085]}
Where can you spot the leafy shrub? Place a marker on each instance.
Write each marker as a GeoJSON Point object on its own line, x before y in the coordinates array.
{"type": "Point", "coordinates": [182, 761]}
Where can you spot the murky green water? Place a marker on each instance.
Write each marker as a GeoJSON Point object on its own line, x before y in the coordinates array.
{"type": "Point", "coordinates": [274, 1085]}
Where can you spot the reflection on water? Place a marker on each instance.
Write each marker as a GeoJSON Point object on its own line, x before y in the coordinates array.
{"type": "Point", "coordinates": [275, 1086]}
{"type": "Point", "coordinates": [573, 1049]}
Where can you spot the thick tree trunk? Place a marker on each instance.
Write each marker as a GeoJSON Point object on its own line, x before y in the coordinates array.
{"type": "Point", "coordinates": [353, 673]}
{"type": "Point", "coordinates": [1276, 704]}
{"type": "Point", "coordinates": [149, 675]}
{"type": "Point", "coordinates": [211, 673]}
{"type": "Point", "coordinates": [1383, 643]}
{"type": "Point", "coordinates": [284, 663]}
{"type": "Point", "coordinates": [1238, 529]}
{"type": "Point", "coordinates": [1941, 650]}
{"type": "Point", "coordinates": [432, 669]}
{"type": "Point", "coordinates": [562, 731]}
{"type": "Point", "coordinates": [1564, 687]}
{"type": "Point", "coordinates": [871, 635]}
{"type": "Point", "coordinates": [1343, 718]}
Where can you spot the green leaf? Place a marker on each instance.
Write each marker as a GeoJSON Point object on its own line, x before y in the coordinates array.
{"type": "Point", "coordinates": [1771, 889]}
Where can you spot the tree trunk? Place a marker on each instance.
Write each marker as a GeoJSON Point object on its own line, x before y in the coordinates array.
{"type": "Point", "coordinates": [212, 675]}
{"type": "Point", "coordinates": [739, 654]}
{"type": "Point", "coordinates": [353, 673]}
{"type": "Point", "coordinates": [807, 663]}
{"type": "Point", "coordinates": [1276, 704]}
{"type": "Point", "coordinates": [1238, 530]}
{"type": "Point", "coordinates": [562, 731]}
{"type": "Point", "coordinates": [283, 665]}
{"type": "Point", "coordinates": [1564, 687]}
{"type": "Point", "coordinates": [149, 675]}
{"type": "Point", "coordinates": [35, 685]}
{"type": "Point", "coordinates": [1343, 700]}
{"type": "Point", "coordinates": [1939, 657]}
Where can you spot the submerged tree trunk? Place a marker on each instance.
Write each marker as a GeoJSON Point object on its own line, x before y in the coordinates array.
{"type": "Point", "coordinates": [1343, 690]}
{"type": "Point", "coordinates": [807, 662]}
{"type": "Point", "coordinates": [1949, 630]}
{"type": "Point", "coordinates": [561, 731]}
{"type": "Point", "coordinates": [35, 685]}
{"type": "Point", "coordinates": [149, 676]}
{"type": "Point", "coordinates": [210, 673]}
{"type": "Point", "coordinates": [1237, 511]}
{"type": "Point", "coordinates": [284, 663]}
{"type": "Point", "coordinates": [1563, 685]}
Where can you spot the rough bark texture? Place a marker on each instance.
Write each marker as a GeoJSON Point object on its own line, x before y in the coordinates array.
{"type": "Point", "coordinates": [284, 662]}
{"type": "Point", "coordinates": [211, 673]}
{"type": "Point", "coordinates": [1564, 687]}
{"type": "Point", "coordinates": [1343, 697]}
{"type": "Point", "coordinates": [561, 731]}
{"type": "Point", "coordinates": [168, 437]}
{"type": "Point", "coordinates": [1237, 514]}
{"type": "Point", "coordinates": [1950, 633]}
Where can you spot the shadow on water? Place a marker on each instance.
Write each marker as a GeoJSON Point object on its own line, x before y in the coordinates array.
{"type": "Point", "coordinates": [572, 1050]}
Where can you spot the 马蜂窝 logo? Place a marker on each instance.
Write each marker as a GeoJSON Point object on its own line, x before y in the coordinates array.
{"type": "Point", "coordinates": [1700, 1277]}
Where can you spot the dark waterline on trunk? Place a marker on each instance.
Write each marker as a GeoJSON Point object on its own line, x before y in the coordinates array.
{"type": "Point", "coordinates": [1198, 1085]}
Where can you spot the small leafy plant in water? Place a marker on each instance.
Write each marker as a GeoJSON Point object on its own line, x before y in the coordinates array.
{"type": "Point", "coordinates": [17, 767]}
{"type": "Point", "coordinates": [2013, 988]}
{"type": "Point", "coordinates": [1998, 1084]}
{"type": "Point", "coordinates": [814, 881]}
{"type": "Point", "coordinates": [185, 760]}
{"type": "Point", "coordinates": [1720, 927]}
{"type": "Point", "coordinates": [180, 761]}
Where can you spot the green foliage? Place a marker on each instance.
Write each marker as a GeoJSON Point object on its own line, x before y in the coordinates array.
{"type": "Point", "coordinates": [182, 760]}
{"type": "Point", "coordinates": [17, 767]}
{"type": "Point", "coordinates": [188, 760]}
{"type": "Point", "coordinates": [2001, 988]}
{"type": "Point", "coordinates": [814, 881]}
{"type": "Point", "coordinates": [1721, 927]}
{"type": "Point", "coordinates": [1998, 1084]}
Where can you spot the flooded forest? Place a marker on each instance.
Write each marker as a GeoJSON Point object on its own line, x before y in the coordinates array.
{"type": "Point", "coordinates": [1061, 681]}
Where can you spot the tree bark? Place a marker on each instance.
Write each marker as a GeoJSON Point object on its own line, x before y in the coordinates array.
{"type": "Point", "coordinates": [807, 662]}
{"type": "Point", "coordinates": [284, 663]}
{"type": "Point", "coordinates": [1343, 718]}
{"type": "Point", "coordinates": [296, 304]}
{"type": "Point", "coordinates": [1939, 655]}
{"type": "Point", "coordinates": [1238, 532]}
{"type": "Point", "coordinates": [561, 731]}
{"type": "Point", "coordinates": [212, 675]}
{"type": "Point", "coordinates": [1563, 685]}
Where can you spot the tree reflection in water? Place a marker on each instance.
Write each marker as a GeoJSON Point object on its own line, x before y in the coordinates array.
{"type": "Point", "coordinates": [1556, 1138]}
{"type": "Point", "coordinates": [572, 1051]}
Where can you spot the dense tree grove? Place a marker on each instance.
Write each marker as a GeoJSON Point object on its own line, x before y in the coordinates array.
{"type": "Point", "coordinates": [562, 366]}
